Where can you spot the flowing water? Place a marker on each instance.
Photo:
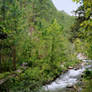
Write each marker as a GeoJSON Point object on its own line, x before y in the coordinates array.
{"type": "Point", "coordinates": [67, 80]}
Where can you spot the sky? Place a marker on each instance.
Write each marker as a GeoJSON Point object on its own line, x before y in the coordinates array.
{"type": "Point", "coordinates": [67, 5]}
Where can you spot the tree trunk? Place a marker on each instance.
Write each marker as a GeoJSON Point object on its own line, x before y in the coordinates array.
{"type": "Point", "coordinates": [0, 62]}
{"type": "Point", "coordinates": [3, 11]}
{"type": "Point", "coordinates": [14, 57]}
{"type": "Point", "coordinates": [0, 57]}
{"type": "Point", "coordinates": [52, 50]}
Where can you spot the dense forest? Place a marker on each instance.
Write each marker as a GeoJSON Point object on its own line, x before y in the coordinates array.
{"type": "Point", "coordinates": [38, 43]}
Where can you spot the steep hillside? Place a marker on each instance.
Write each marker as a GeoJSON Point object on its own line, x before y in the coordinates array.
{"type": "Point", "coordinates": [33, 44]}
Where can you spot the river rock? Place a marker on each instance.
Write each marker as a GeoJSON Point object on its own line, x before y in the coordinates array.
{"type": "Point", "coordinates": [77, 67]}
{"type": "Point", "coordinates": [70, 86]}
{"type": "Point", "coordinates": [70, 67]}
{"type": "Point", "coordinates": [81, 56]}
{"type": "Point", "coordinates": [83, 63]}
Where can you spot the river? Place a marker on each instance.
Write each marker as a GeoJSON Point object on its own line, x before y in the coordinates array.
{"type": "Point", "coordinates": [68, 79]}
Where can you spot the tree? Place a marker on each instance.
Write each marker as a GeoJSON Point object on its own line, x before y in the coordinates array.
{"type": "Point", "coordinates": [85, 15]}
{"type": "Point", "coordinates": [11, 25]}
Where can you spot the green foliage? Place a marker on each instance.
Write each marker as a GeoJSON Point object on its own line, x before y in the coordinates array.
{"type": "Point", "coordinates": [88, 86]}
{"type": "Point", "coordinates": [82, 28]}
{"type": "Point", "coordinates": [88, 74]}
{"type": "Point", "coordinates": [36, 34]}
{"type": "Point", "coordinates": [88, 81]}
{"type": "Point", "coordinates": [84, 33]}
{"type": "Point", "coordinates": [3, 75]}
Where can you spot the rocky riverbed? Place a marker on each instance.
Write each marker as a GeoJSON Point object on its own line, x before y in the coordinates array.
{"type": "Point", "coordinates": [67, 81]}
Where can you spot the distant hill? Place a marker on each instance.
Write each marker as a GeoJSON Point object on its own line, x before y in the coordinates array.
{"type": "Point", "coordinates": [49, 12]}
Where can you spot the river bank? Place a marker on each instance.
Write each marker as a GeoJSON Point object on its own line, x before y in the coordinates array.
{"type": "Point", "coordinates": [69, 80]}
